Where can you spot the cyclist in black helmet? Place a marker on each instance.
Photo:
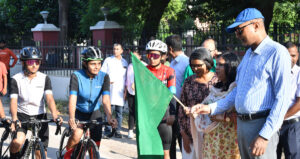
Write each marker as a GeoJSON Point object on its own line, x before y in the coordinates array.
{"type": "Point", "coordinates": [29, 88]}
{"type": "Point", "coordinates": [86, 87]}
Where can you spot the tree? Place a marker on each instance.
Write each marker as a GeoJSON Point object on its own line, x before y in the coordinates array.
{"type": "Point", "coordinates": [63, 19]}
{"type": "Point", "coordinates": [226, 10]}
{"type": "Point", "coordinates": [152, 19]}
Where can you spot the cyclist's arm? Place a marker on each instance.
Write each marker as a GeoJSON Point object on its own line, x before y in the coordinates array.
{"type": "Point", "coordinates": [73, 96]}
{"type": "Point", "coordinates": [49, 98]}
{"type": "Point", "coordinates": [105, 97]}
{"type": "Point", "coordinates": [107, 106]}
{"type": "Point", "coordinates": [14, 99]}
{"type": "Point", "coordinates": [2, 114]}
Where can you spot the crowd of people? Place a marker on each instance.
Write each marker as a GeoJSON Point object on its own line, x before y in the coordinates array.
{"type": "Point", "coordinates": [233, 108]}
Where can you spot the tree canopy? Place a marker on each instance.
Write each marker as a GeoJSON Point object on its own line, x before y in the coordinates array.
{"type": "Point", "coordinates": [142, 19]}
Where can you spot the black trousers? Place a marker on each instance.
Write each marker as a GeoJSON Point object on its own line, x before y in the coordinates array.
{"type": "Point", "coordinates": [175, 135]}
{"type": "Point", "coordinates": [289, 141]}
{"type": "Point", "coordinates": [131, 106]}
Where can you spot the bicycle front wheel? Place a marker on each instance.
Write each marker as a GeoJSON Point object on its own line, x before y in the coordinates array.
{"type": "Point", "coordinates": [91, 151]}
{"type": "Point", "coordinates": [40, 149]}
{"type": "Point", "coordinates": [63, 143]}
{"type": "Point", "coordinates": [5, 142]}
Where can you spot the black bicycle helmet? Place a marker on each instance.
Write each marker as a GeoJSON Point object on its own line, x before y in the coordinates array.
{"type": "Point", "coordinates": [91, 53]}
{"type": "Point", "coordinates": [30, 53]}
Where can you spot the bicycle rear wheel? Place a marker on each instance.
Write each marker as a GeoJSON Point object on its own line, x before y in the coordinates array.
{"type": "Point", "coordinates": [63, 143]}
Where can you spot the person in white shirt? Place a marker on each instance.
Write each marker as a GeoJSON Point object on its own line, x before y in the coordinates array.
{"type": "Point", "coordinates": [179, 63]}
{"type": "Point", "coordinates": [29, 89]}
{"type": "Point", "coordinates": [115, 66]}
{"type": "Point", "coordinates": [289, 141]}
{"type": "Point", "coordinates": [131, 95]}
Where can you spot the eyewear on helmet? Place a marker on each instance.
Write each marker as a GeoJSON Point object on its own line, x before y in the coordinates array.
{"type": "Point", "coordinates": [154, 56]}
{"type": "Point", "coordinates": [32, 62]}
{"type": "Point", "coordinates": [239, 30]}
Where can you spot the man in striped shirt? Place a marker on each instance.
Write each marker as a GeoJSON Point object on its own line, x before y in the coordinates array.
{"type": "Point", "coordinates": [263, 88]}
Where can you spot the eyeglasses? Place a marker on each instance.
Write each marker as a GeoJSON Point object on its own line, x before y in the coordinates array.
{"type": "Point", "coordinates": [240, 30]}
{"type": "Point", "coordinates": [154, 56]}
{"type": "Point", "coordinates": [31, 62]}
{"type": "Point", "coordinates": [196, 65]}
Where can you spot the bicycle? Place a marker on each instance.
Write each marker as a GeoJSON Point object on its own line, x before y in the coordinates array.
{"type": "Point", "coordinates": [34, 142]}
{"type": "Point", "coordinates": [86, 145]}
{"type": "Point", "coordinates": [5, 123]}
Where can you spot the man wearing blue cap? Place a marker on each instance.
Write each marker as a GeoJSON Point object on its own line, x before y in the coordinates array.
{"type": "Point", "coordinates": [262, 92]}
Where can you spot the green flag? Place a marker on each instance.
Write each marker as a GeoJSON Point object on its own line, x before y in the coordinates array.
{"type": "Point", "coordinates": [152, 100]}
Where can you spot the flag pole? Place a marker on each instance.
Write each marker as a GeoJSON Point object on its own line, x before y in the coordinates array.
{"type": "Point", "coordinates": [179, 101]}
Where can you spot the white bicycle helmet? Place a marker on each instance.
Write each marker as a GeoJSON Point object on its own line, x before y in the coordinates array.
{"type": "Point", "coordinates": [156, 45]}
{"type": "Point", "coordinates": [92, 53]}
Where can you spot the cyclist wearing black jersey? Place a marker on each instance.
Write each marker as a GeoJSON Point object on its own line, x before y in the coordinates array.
{"type": "Point", "coordinates": [29, 88]}
{"type": "Point", "coordinates": [86, 87]}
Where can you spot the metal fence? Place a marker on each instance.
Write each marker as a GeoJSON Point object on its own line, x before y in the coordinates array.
{"type": "Point", "coordinates": [66, 56]}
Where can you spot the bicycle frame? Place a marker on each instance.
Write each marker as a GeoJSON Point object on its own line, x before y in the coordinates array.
{"type": "Point", "coordinates": [85, 139]}
{"type": "Point", "coordinates": [34, 141]}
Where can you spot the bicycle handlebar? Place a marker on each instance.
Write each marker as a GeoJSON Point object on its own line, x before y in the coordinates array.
{"type": "Point", "coordinates": [95, 122]}
{"type": "Point", "coordinates": [92, 122]}
{"type": "Point", "coordinates": [37, 121]}
{"type": "Point", "coordinates": [5, 123]}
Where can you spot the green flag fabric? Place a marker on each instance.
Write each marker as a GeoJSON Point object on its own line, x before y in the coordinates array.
{"type": "Point", "coordinates": [152, 99]}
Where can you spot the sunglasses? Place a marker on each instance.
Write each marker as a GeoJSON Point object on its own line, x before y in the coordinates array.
{"type": "Point", "coordinates": [154, 56]}
{"type": "Point", "coordinates": [240, 30]}
{"type": "Point", "coordinates": [31, 62]}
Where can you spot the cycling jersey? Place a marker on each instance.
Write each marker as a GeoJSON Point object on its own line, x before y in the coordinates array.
{"type": "Point", "coordinates": [88, 90]}
{"type": "Point", "coordinates": [166, 75]}
{"type": "Point", "coordinates": [30, 93]}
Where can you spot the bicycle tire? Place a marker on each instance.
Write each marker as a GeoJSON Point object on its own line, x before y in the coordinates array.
{"type": "Point", "coordinates": [92, 148]}
{"type": "Point", "coordinates": [62, 147]}
{"type": "Point", "coordinates": [6, 134]}
{"type": "Point", "coordinates": [41, 149]}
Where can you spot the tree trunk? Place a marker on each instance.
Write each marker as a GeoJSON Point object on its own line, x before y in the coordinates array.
{"type": "Point", "coordinates": [266, 8]}
{"type": "Point", "coordinates": [63, 19]}
{"type": "Point", "coordinates": [156, 10]}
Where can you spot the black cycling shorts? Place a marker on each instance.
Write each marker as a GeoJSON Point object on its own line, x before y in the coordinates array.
{"type": "Point", "coordinates": [95, 130]}
{"type": "Point", "coordinates": [43, 133]}
{"type": "Point", "coordinates": [165, 132]}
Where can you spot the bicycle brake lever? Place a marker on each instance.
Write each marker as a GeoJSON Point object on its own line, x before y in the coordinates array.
{"type": "Point", "coordinates": [112, 133]}
{"type": "Point", "coordinates": [58, 127]}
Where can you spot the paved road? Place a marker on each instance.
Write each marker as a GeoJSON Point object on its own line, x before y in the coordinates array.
{"type": "Point", "coordinates": [113, 148]}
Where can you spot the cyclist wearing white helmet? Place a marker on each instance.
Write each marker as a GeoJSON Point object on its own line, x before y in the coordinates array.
{"type": "Point", "coordinates": [166, 74]}
{"type": "Point", "coordinates": [86, 87]}
{"type": "Point", "coordinates": [29, 88]}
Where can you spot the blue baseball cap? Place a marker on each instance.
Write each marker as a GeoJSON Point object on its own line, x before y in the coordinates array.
{"type": "Point", "coordinates": [244, 16]}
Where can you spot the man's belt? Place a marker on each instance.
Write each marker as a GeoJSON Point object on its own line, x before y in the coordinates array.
{"type": "Point", "coordinates": [253, 116]}
{"type": "Point", "coordinates": [291, 121]}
